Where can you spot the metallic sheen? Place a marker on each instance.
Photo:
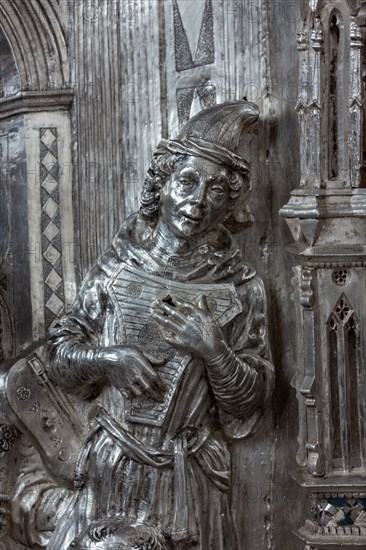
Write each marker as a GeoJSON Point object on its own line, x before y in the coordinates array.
{"type": "Point", "coordinates": [162, 361]}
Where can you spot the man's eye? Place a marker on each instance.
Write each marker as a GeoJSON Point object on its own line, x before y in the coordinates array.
{"type": "Point", "coordinates": [185, 182]}
{"type": "Point", "coordinates": [217, 190]}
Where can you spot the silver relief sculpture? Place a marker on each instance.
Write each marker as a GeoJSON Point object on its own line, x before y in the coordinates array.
{"type": "Point", "coordinates": [130, 410]}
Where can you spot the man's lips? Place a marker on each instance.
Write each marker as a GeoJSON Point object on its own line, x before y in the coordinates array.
{"type": "Point", "coordinates": [190, 216]}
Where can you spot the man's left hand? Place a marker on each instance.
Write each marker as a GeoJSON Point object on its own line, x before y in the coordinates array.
{"type": "Point", "coordinates": [190, 327]}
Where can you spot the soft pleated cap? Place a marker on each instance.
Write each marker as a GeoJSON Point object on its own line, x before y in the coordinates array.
{"type": "Point", "coordinates": [214, 134]}
{"type": "Point", "coordinates": [221, 124]}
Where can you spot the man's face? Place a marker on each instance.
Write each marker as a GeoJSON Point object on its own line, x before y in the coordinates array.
{"type": "Point", "coordinates": [195, 197]}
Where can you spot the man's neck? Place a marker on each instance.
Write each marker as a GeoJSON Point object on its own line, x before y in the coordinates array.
{"type": "Point", "coordinates": [165, 242]}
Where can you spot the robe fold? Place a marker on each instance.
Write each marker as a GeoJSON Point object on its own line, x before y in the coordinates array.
{"type": "Point", "coordinates": [175, 473]}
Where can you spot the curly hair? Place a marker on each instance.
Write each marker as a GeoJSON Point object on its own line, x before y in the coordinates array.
{"type": "Point", "coordinates": [165, 164]}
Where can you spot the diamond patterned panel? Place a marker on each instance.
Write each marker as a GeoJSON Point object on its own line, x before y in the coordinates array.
{"type": "Point", "coordinates": [55, 305]}
{"type": "Point", "coordinates": [50, 224]}
{"type": "Point", "coordinates": [51, 231]}
{"type": "Point", "coordinates": [53, 280]}
{"type": "Point", "coordinates": [50, 208]}
{"type": "Point", "coordinates": [49, 184]}
{"type": "Point", "coordinates": [48, 136]}
{"type": "Point", "coordinates": [51, 254]}
{"type": "Point", "coordinates": [49, 160]}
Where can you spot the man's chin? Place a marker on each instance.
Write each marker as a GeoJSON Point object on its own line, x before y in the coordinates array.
{"type": "Point", "coordinates": [190, 229]}
{"type": "Point", "coordinates": [191, 233]}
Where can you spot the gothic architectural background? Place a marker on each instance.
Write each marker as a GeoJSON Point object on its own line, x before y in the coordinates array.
{"type": "Point", "coordinates": [87, 89]}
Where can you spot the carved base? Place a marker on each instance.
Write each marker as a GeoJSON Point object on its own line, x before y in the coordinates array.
{"type": "Point", "coordinates": [338, 511]}
{"type": "Point", "coordinates": [316, 537]}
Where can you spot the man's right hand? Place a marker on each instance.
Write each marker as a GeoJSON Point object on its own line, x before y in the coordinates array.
{"type": "Point", "coordinates": [127, 370]}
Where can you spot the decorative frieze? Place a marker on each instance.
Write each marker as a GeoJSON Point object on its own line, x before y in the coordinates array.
{"type": "Point", "coordinates": [50, 217]}
{"type": "Point", "coordinates": [340, 511]}
{"type": "Point", "coordinates": [54, 296]}
{"type": "Point", "coordinates": [189, 52]}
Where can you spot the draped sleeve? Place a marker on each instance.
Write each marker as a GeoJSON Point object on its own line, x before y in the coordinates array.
{"type": "Point", "coordinates": [244, 396]}
{"type": "Point", "coordinates": [74, 339]}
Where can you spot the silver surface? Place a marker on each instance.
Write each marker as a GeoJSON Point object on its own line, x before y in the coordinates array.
{"type": "Point", "coordinates": [165, 354]}
{"type": "Point", "coordinates": [124, 102]}
{"type": "Point", "coordinates": [327, 218]}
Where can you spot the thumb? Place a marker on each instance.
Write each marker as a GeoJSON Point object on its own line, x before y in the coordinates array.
{"type": "Point", "coordinates": [202, 303]}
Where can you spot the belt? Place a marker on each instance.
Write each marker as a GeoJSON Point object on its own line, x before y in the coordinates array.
{"type": "Point", "coordinates": [161, 458]}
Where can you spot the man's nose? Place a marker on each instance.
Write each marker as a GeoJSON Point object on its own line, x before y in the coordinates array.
{"type": "Point", "coordinates": [199, 195]}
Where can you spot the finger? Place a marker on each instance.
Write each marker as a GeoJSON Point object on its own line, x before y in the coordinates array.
{"type": "Point", "coordinates": [169, 337]}
{"type": "Point", "coordinates": [166, 322]}
{"type": "Point", "coordinates": [151, 376]}
{"type": "Point", "coordinates": [201, 301]}
{"type": "Point", "coordinates": [150, 382]}
{"type": "Point", "coordinates": [160, 384]}
{"type": "Point", "coordinates": [146, 385]}
{"type": "Point", "coordinates": [135, 389]}
{"type": "Point", "coordinates": [142, 362]}
{"type": "Point", "coordinates": [174, 341]}
{"type": "Point", "coordinates": [124, 393]}
{"type": "Point", "coordinates": [152, 390]}
{"type": "Point", "coordinates": [188, 306]}
{"type": "Point", "coordinates": [143, 382]}
{"type": "Point", "coordinates": [172, 311]}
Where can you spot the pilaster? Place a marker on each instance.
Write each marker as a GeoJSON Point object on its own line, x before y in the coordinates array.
{"type": "Point", "coordinates": [327, 218]}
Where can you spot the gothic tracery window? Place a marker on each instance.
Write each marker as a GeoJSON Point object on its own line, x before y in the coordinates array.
{"type": "Point", "coordinates": [343, 364]}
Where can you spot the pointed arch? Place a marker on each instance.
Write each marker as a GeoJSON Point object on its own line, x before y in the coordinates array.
{"type": "Point", "coordinates": [343, 329]}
